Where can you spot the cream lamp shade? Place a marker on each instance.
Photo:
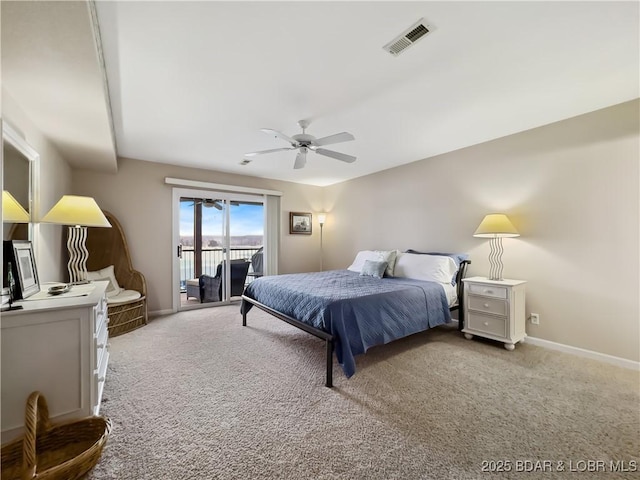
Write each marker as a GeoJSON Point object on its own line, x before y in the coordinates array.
{"type": "Point", "coordinates": [79, 213]}
{"type": "Point", "coordinates": [322, 217]}
{"type": "Point", "coordinates": [496, 226]}
{"type": "Point", "coordinates": [12, 211]}
{"type": "Point", "coordinates": [75, 210]}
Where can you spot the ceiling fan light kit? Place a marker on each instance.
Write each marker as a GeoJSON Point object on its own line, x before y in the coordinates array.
{"type": "Point", "coordinates": [305, 142]}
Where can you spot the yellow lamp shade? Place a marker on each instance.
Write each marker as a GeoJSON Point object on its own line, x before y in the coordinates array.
{"type": "Point", "coordinates": [12, 211]}
{"type": "Point", "coordinates": [496, 225]}
{"type": "Point", "coordinates": [75, 210]}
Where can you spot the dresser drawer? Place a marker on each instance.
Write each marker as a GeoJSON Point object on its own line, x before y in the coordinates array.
{"type": "Point", "coordinates": [99, 378]}
{"type": "Point", "coordinates": [496, 326]}
{"type": "Point", "coordinates": [100, 340]}
{"type": "Point", "coordinates": [488, 305]}
{"type": "Point", "coordinates": [100, 314]}
{"type": "Point", "coordinates": [487, 290]}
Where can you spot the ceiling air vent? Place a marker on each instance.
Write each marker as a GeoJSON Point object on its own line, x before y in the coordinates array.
{"type": "Point", "coordinates": [407, 38]}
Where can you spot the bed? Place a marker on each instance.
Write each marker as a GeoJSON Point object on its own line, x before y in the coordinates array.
{"type": "Point", "coordinates": [353, 310]}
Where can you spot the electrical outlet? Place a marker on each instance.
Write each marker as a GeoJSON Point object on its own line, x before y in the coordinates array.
{"type": "Point", "coordinates": [535, 318]}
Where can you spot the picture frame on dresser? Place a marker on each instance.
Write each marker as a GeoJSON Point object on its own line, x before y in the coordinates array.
{"type": "Point", "coordinates": [20, 265]}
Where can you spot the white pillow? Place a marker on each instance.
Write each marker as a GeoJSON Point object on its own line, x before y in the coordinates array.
{"type": "Point", "coordinates": [106, 274]}
{"type": "Point", "coordinates": [362, 257]}
{"type": "Point", "coordinates": [433, 268]}
{"type": "Point", "coordinates": [388, 256]}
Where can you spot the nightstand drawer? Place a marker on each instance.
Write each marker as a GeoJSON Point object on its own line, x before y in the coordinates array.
{"type": "Point", "coordinates": [488, 290]}
{"type": "Point", "coordinates": [488, 305]}
{"type": "Point", "coordinates": [487, 324]}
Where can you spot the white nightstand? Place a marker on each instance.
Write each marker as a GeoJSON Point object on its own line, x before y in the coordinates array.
{"type": "Point", "coordinates": [495, 309]}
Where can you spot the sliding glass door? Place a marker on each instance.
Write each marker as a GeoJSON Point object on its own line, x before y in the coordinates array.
{"type": "Point", "coordinates": [219, 246]}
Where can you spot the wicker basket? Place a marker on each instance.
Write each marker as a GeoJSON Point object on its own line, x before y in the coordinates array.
{"type": "Point", "coordinates": [66, 451]}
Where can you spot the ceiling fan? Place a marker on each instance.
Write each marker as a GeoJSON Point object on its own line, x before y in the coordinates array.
{"type": "Point", "coordinates": [305, 143]}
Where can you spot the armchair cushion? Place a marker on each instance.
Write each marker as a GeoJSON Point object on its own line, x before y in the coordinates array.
{"type": "Point", "coordinates": [123, 297]}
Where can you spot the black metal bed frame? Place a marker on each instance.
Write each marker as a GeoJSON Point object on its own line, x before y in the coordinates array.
{"type": "Point", "coordinates": [328, 338]}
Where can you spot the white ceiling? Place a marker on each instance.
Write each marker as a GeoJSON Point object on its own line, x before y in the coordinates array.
{"type": "Point", "coordinates": [191, 83]}
{"type": "Point", "coordinates": [50, 68]}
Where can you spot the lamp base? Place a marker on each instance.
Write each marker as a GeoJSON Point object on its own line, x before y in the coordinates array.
{"type": "Point", "coordinates": [495, 259]}
{"type": "Point", "coordinates": [321, 267]}
{"type": "Point", "coordinates": [78, 255]}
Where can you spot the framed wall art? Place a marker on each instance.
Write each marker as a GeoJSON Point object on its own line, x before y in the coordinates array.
{"type": "Point", "coordinates": [20, 266]}
{"type": "Point", "coordinates": [300, 223]}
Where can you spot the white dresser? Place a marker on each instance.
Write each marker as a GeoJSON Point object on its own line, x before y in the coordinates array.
{"type": "Point", "coordinates": [495, 309]}
{"type": "Point", "coordinates": [58, 346]}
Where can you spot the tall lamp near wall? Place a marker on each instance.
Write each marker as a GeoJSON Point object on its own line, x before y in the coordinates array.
{"type": "Point", "coordinates": [496, 226]}
{"type": "Point", "coordinates": [79, 213]}
{"type": "Point", "coordinates": [322, 217]}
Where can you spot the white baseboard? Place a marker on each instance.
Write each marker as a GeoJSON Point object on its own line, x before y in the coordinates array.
{"type": "Point", "coordinates": [581, 352]}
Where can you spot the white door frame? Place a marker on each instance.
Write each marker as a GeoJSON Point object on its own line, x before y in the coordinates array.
{"type": "Point", "coordinates": [179, 193]}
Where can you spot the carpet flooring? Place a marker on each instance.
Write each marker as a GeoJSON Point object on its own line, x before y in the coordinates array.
{"type": "Point", "coordinates": [197, 396]}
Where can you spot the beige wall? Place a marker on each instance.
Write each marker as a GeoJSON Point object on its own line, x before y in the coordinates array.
{"type": "Point", "coordinates": [55, 181]}
{"type": "Point", "coordinates": [572, 190]}
{"type": "Point", "coordinates": [138, 196]}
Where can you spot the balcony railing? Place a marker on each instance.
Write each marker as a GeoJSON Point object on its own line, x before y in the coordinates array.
{"type": "Point", "coordinates": [211, 257]}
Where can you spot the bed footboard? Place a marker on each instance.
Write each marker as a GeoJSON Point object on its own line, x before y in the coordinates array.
{"type": "Point", "coordinates": [246, 305]}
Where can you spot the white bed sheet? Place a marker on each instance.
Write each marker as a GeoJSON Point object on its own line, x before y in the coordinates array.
{"type": "Point", "coordinates": [451, 292]}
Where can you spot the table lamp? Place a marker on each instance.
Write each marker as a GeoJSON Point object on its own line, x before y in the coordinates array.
{"type": "Point", "coordinates": [496, 226]}
{"type": "Point", "coordinates": [12, 211]}
{"type": "Point", "coordinates": [79, 213]}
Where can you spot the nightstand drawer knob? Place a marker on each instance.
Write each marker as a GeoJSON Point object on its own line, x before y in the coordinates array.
{"type": "Point", "coordinates": [486, 305]}
{"type": "Point", "coordinates": [489, 291]}
{"type": "Point", "coordinates": [486, 324]}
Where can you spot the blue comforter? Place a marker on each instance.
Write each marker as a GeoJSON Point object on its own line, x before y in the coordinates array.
{"type": "Point", "coordinates": [359, 311]}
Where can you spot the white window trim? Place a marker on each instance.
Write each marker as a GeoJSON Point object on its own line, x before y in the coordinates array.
{"type": "Point", "coordinates": [219, 186]}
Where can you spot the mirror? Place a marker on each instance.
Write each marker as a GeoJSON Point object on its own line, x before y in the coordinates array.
{"type": "Point", "coordinates": [20, 162]}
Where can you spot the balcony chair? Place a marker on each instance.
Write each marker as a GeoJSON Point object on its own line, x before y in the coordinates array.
{"type": "Point", "coordinates": [211, 287]}
{"type": "Point", "coordinates": [256, 263]}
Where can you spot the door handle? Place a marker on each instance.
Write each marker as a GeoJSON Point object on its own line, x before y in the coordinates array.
{"type": "Point", "coordinates": [180, 251]}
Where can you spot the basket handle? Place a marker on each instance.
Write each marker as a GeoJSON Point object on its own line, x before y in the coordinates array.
{"type": "Point", "coordinates": [36, 421]}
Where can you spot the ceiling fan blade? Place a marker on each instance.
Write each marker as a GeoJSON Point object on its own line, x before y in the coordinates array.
{"type": "Point", "coordinates": [301, 160]}
{"type": "Point", "coordinates": [280, 135]}
{"type": "Point", "coordinates": [337, 138]}
{"type": "Point", "coordinates": [267, 151]}
{"type": "Point", "coordinates": [338, 156]}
